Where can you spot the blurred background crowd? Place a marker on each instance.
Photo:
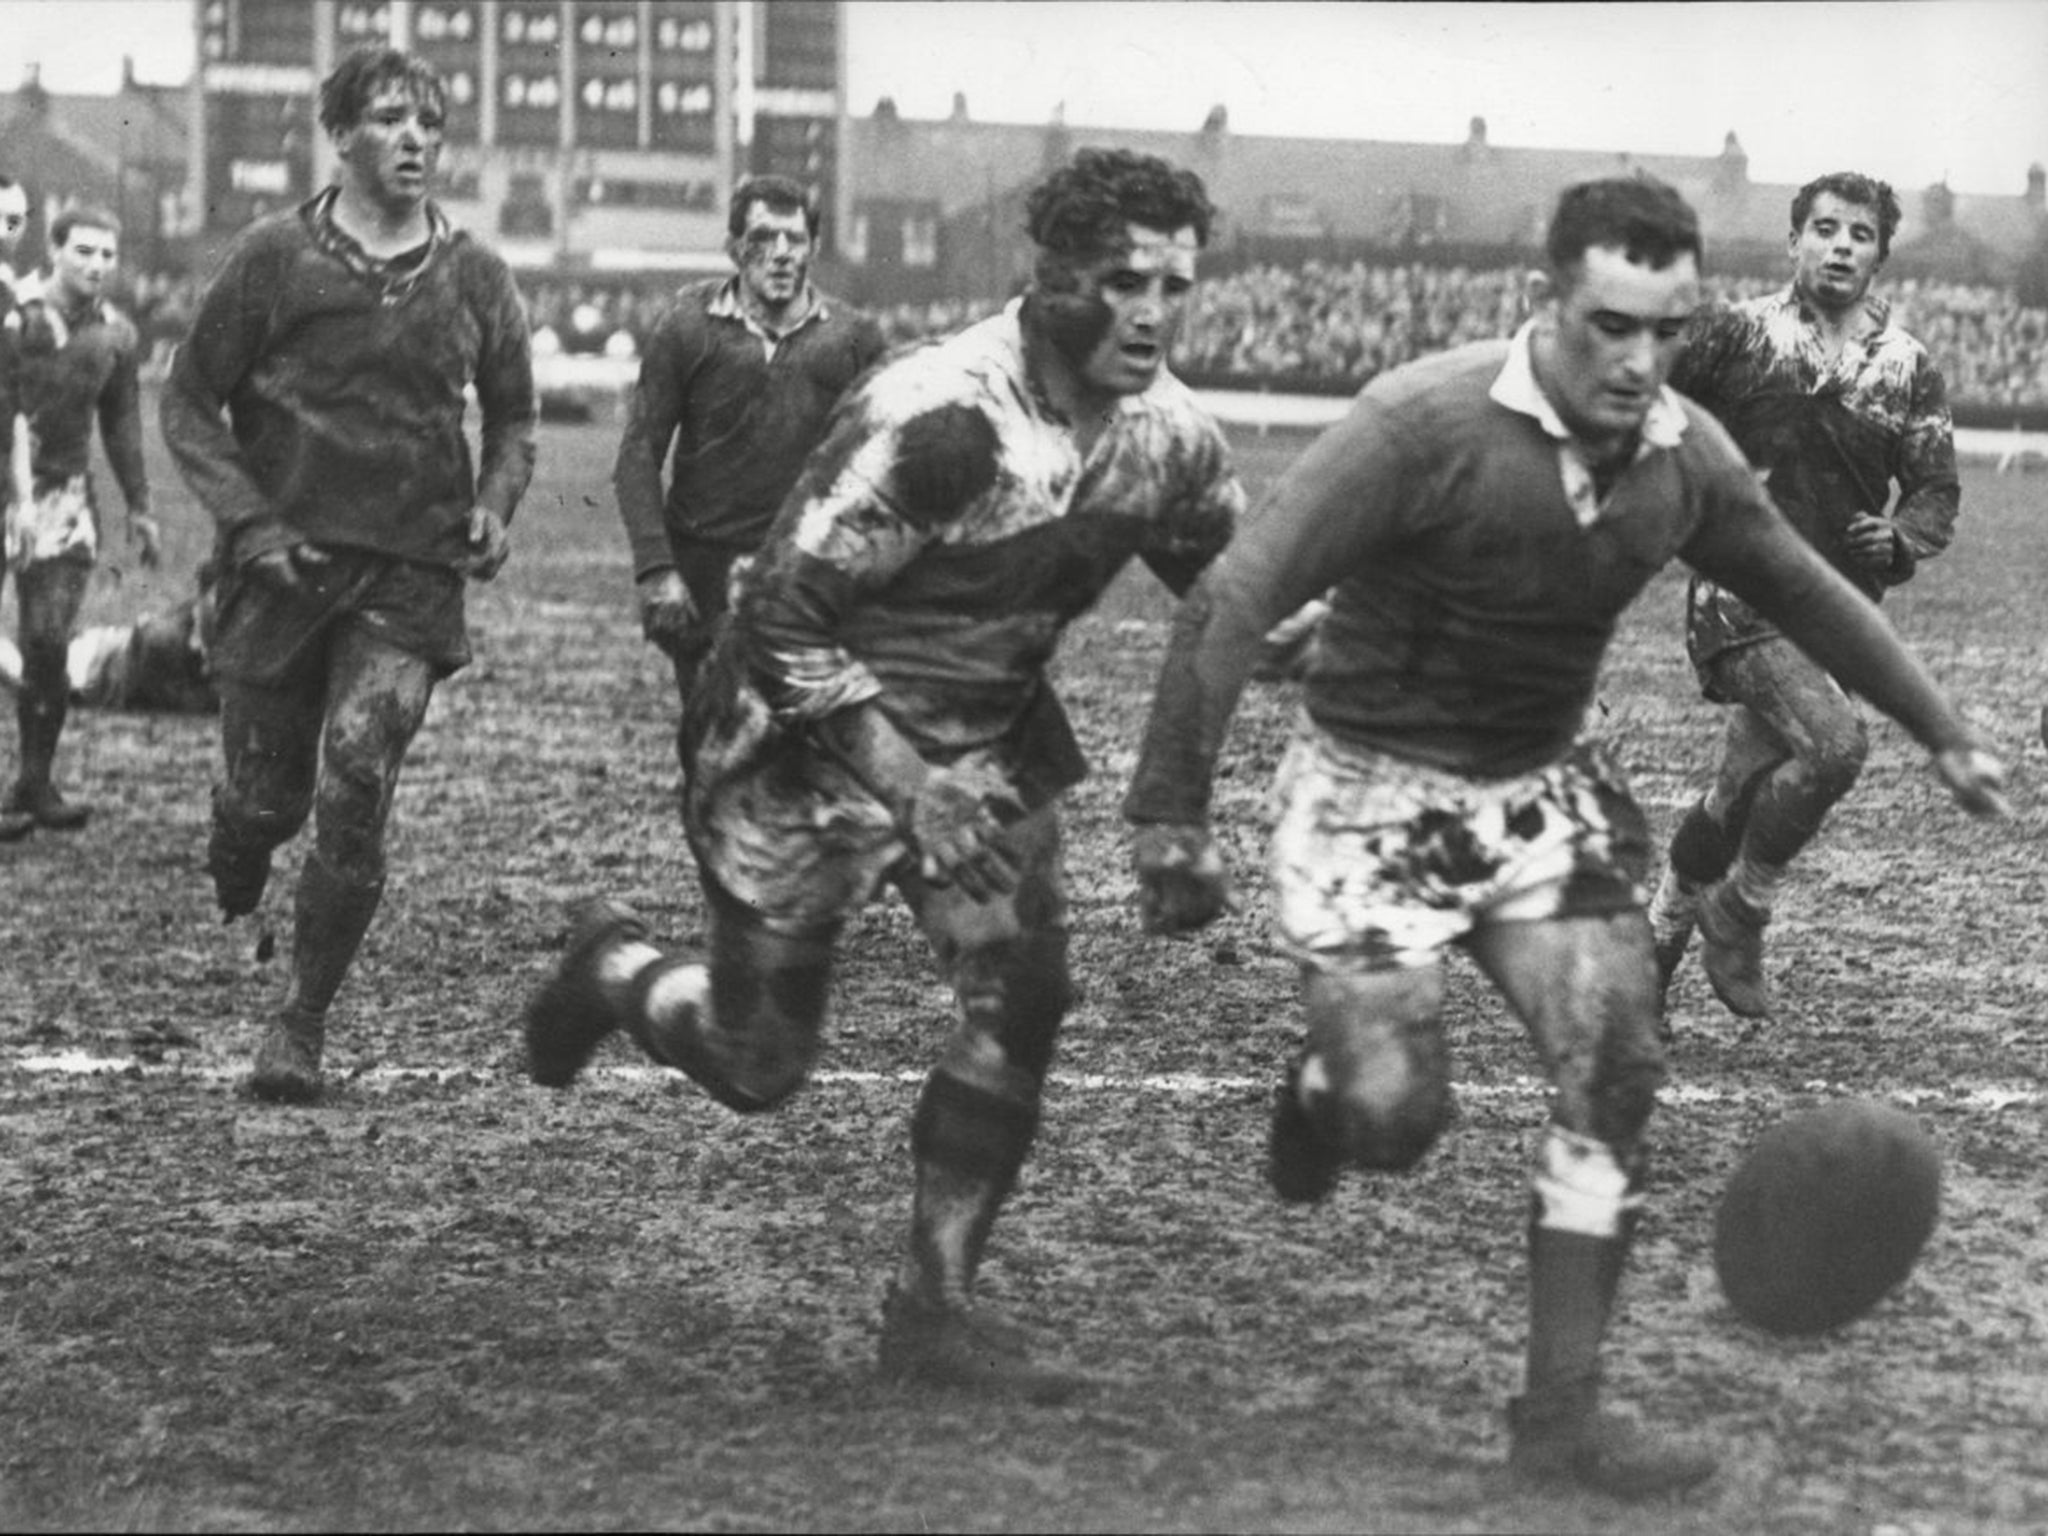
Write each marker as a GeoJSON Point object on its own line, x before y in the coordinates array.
{"type": "Point", "coordinates": [1316, 327]}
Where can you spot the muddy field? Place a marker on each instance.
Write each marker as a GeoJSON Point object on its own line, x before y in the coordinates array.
{"type": "Point", "coordinates": [448, 1298]}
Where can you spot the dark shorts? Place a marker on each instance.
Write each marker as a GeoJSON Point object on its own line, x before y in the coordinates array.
{"type": "Point", "coordinates": [268, 636]}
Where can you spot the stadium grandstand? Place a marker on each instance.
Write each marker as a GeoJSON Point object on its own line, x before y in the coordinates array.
{"type": "Point", "coordinates": [595, 142]}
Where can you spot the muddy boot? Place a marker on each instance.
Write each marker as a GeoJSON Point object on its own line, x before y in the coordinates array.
{"type": "Point", "coordinates": [15, 825]}
{"type": "Point", "coordinates": [239, 866]}
{"type": "Point", "coordinates": [1732, 951]}
{"type": "Point", "coordinates": [572, 1012]}
{"type": "Point", "coordinates": [330, 916]}
{"type": "Point", "coordinates": [941, 1345]}
{"type": "Point", "coordinates": [41, 718]}
{"type": "Point", "coordinates": [1301, 1166]}
{"type": "Point", "coordinates": [286, 1069]}
{"type": "Point", "coordinates": [1562, 1436]}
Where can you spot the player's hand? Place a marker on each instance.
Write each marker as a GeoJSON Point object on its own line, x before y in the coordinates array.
{"type": "Point", "coordinates": [290, 569]}
{"type": "Point", "coordinates": [148, 540]}
{"type": "Point", "coordinates": [1183, 883]}
{"type": "Point", "coordinates": [667, 615]}
{"type": "Point", "coordinates": [1975, 778]}
{"type": "Point", "coordinates": [489, 544]}
{"type": "Point", "coordinates": [957, 819]}
{"type": "Point", "coordinates": [1871, 541]}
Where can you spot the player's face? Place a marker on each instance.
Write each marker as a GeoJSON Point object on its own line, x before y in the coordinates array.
{"type": "Point", "coordinates": [80, 267]}
{"type": "Point", "coordinates": [13, 220]}
{"type": "Point", "coordinates": [1605, 345]}
{"type": "Point", "coordinates": [773, 254]}
{"type": "Point", "coordinates": [392, 152]}
{"type": "Point", "coordinates": [1137, 298]}
{"type": "Point", "coordinates": [1834, 254]}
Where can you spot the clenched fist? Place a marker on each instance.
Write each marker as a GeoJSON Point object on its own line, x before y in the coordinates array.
{"type": "Point", "coordinates": [1183, 883]}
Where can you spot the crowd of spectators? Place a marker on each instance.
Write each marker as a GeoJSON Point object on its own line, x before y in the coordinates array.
{"type": "Point", "coordinates": [1319, 325]}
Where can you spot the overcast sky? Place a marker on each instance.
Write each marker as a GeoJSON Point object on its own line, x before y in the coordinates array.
{"type": "Point", "coordinates": [1912, 90]}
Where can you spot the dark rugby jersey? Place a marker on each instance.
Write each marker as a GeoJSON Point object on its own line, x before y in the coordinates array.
{"type": "Point", "coordinates": [75, 369]}
{"type": "Point", "coordinates": [740, 420]}
{"type": "Point", "coordinates": [343, 382]}
{"type": "Point", "coordinates": [946, 532]}
{"type": "Point", "coordinates": [1831, 438]}
{"type": "Point", "coordinates": [1477, 576]}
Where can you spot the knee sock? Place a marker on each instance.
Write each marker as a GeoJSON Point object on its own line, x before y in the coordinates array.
{"type": "Point", "coordinates": [969, 1143]}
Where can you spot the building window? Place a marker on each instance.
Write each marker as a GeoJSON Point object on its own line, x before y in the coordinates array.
{"type": "Point", "coordinates": [920, 240]}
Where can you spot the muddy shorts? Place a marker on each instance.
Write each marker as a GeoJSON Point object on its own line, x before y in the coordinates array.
{"type": "Point", "coordinates": [57, 523]}
{"type": "Point", "coordinates": [1378, 863]}
{"type": "Point", "coordinates": [271, 637]}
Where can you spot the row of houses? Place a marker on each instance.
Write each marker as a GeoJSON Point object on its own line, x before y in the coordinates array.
{"type": "Point", "coordinates": [931, 209]}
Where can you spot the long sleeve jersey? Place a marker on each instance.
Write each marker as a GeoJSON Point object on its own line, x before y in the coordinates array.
{"type": "Point", "coordinates": [1478, 577]}
{"type": "Point", "coordinates": [74, 370]}
{"type": "Point", "coordinates": [1831, 438]}
{"type": "Point", "coordinates": [342, 381]}
{"type": "Point", "coordinates": [740, 412]}
{"type": "Point", "coordinates": [945, 534]}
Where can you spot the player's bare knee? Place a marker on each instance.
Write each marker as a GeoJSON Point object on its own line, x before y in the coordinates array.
{"type": "Point", "coordinates": [1386, 1116]}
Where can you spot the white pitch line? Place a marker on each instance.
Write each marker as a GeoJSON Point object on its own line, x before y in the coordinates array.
{"type": "Point", "coordinates": [1973, 1096]}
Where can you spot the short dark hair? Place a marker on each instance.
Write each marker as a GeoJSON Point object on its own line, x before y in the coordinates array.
{"type": "Point", "coordinates": [1646, 218]}
{"type": "Point", "coordinates": [349, 87]}
{"type": "Point", "coordinates": [1081, 209]}
{"type": "Point", "coordinates": [779, 193]}
{"type": "Point", "coordinates": [85, 215]}
{"type": "Point", "coordinates": [1861, 190]}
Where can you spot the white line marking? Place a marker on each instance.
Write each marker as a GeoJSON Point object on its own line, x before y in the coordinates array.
{"type": "Point", "coordinates": [1974, 1096]}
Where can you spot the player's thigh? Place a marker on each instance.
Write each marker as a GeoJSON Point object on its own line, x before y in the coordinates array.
{"type": "Point", "coordinates": [1585, 987]}
{"type": "Point", "coordinates": [377, 698]}
{"type": "Point", "coordinates": [1795, 699]}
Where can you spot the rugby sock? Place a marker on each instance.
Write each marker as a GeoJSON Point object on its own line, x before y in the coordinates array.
{"type": "Point", "coordinates": [1674, 909]}
{"type": "Point", "coordinates": [1582, 1216]}
{"type": "Point", "coordinates": [969, 1143]}
{"type": "Point", "coordinates": [1755, 881]}
{"type": "Point", "coordinates": [330, 915]}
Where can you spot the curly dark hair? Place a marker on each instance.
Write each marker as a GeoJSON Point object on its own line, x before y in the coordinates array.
{"type": "Point", "coordinates": [1082, 208]}
{"type": "Point", "coordinates": [1645, 217]}
{"type": "Point", "coordinates": [346, 92]}
{"type": "Point", "coordinates": [1856, 188]}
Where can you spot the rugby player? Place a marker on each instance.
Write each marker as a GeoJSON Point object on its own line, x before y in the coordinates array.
{"type": "Point", "coordinates": [76, 363]}
{"type": "Point", "coordinates": [1489, 513]}
{"type": "Point", "coordinates": [163, 661]}
{"type": "Point", "coordinates": [739, 374]}
{"type": "Point", "coordinates": [317, 411]}
{"type": "Point", "coordinates": [1835, 405]}
{"type": "Point", "coordinates": [879, 712]}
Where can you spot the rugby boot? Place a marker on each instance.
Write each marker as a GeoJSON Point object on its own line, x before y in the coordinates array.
{"type": "Point", "coordinates": [1300, 1165]}
{"type": "Point", "coordinates": [45, 806]}
{"type": "Point", "coordinates": [240, 871]}
{"type": "Point", "coordinates": [1732, 951]}
{"type": "Point", "coordinates": [286, 1069]}
{"type": "Point", "coordinates": [939, 1345]}
{"type": "Point", "coordinates": [15, 825]}
{"type": "Point", "coordinates": [1564, 1437]}
{"type": "Point", "coordinates": [568, 1018]}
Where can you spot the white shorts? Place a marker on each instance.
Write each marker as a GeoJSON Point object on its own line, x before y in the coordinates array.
{"type": "Point", "coordinates": [1379, 863]}
{"type": "Point", "coordinates": [52, 524]}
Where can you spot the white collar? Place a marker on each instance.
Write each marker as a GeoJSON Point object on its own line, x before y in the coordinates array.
{"type": "Point", "coordinates": [1517, 389]}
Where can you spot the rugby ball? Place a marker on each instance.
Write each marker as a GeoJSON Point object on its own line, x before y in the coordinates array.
{"type": "Point", "coordinates": [1825, 1215]}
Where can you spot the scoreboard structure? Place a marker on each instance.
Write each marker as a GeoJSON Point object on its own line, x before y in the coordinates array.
{"type": "Point", "coordinates": [592, 134]}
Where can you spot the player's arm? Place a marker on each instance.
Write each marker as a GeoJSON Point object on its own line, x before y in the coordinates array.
{"type": "Point", "coordinates": [1323, 516]}
{"type": "Point", "coordinates": [1930, 491]}
{"type": "Point", "coordinates": [509, 410]}
{"type": "Point", "coordinates": [654, 412]}
{"type": "Point", "coordinates": [226, 338]}
{"type": "Point", "coordinates": [120, 418]}
{"type": "Point", "coordinates": [1206, 504]}
{"type": "Point", "coordinates": [854, 533]}
{"type": "Point", "coordinates": [1754, 552]}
